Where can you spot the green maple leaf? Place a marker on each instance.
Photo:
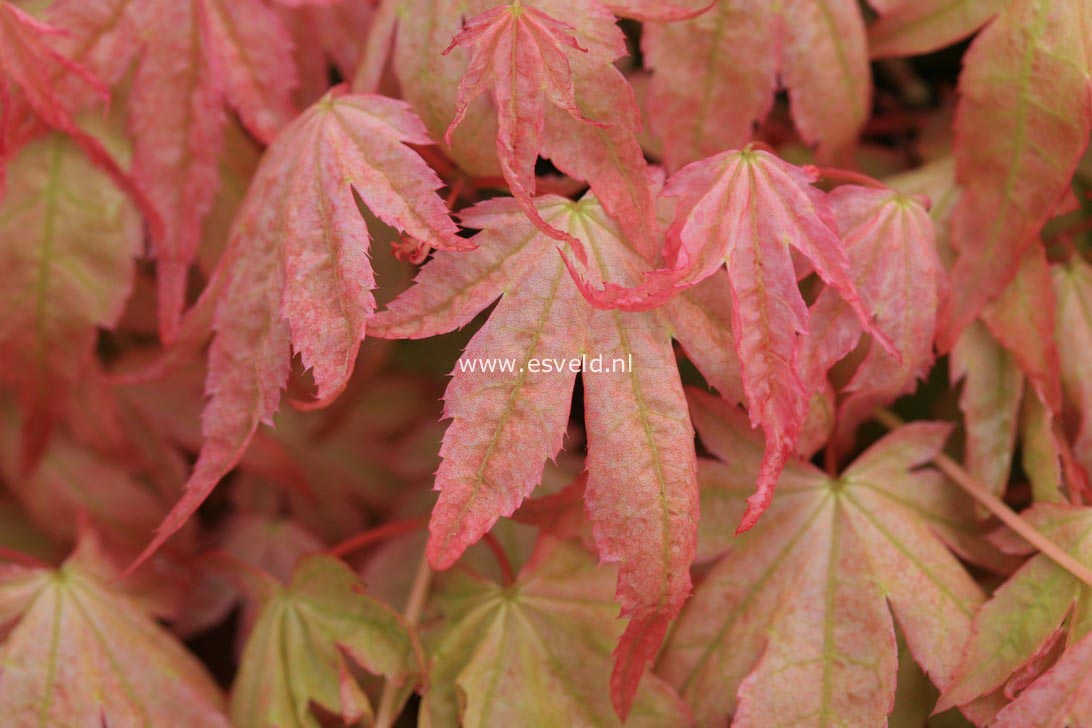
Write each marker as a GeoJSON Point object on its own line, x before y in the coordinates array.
{"type": "Point", "coordinates": [308, 640]}
{"type": "Point", "coordinates": [536, 652]}
{"type": "Point", "coordinates": [794, 624]}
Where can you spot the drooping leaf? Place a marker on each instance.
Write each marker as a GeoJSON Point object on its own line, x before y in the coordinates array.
{"type": "Point", "coordinates": [1028, 609]}
{"type": "Point", "coordinates": [32, 66]}
{"type": "Point", "coordinates": [1026, 72]}
{"type": "Point", "coordinates": [67, 241]}
{"type": "Point", "coordinates": [608, 157]}
{"type": "Point", "coordinates": [912, 27]}
{"type": "Point", "coordinates": [518, 54]}
{"type": "Point", "coordinates": [797, 618]}
{"type": "Point", "coordinates": [1073, 288]}
{"type": "Point", "coordinates": [325, 34]}
{"type": "Point", "coordinates": [536, 652]}
{"type": "Point", "coordinates": [714, 76]}
{"type": "Point", "coordinates": [936, 182]}
{"type": "Point", "coordinates": [250, 51]}
{"type": "Point", "coordinates": [526, 56]}
{"type": "Point", "coordinates": [1040, 449]}
{"type": "Point", "coordinates": [889, 242]}
{"type": "Point", "coordinates": [305, 644]}
{"type": "Point", "coordinates": [80, 651]}
{"type": "Point", "coordinates": [41, 80]}
{"type": "Point", "coordinates": [641, 493]}
{"type": "Point", "coordinates": [1060, 698]}
{"type": "Point", "coordinates": [1023, 320]}
{"type": "Point", "coordinates": [177, 117]}
{"type": "Point", "coordinates": [990, 401]}
{"type": "Point", "coordinates": [746, 209]}
{"type": "Point", "coordinates": [195, 58]}
{"type": "Point", "coordinates": [100, 36]}
{"type": "Point", "coordinates": [700, 319]}
{"type": "Point", "coordinates": [297, 276]}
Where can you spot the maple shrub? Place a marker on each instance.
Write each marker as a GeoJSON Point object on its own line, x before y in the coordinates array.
{"type": "Point", "coordinates": [546, 363]}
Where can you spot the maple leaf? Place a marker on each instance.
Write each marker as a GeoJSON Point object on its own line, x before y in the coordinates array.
{"type": "Point", "coordinates": [1026, 71]}
{"type": "Point", "coordinates": [526, 57]}
{"type": "Point", "coordinates": [888, 239]}
{"type": "Point", "coordinates": [990, 401]}
{"type": "Point", "coordinates": [325, 32]}
{"type": "Point", "coordinates": [67, 241]}
{"type": "Point", "coordinates": [535, 652]}
{"type": "Point", "coordinates": [796, 618]}
{"type": "Point", "coordinates": [911, 27]}
{"type": "Point", "coordinates": [1018, 337]}
{"type": "Point", "coordinates": [79, 651]}
{"type": "Point", "coordinates": [70, 481]}
{"type": "Point", "coordinates": [746, 208]}
{"type": "Point", "coordinates": [1073, 287]}
{"type": "Point", "coordinates": [641, 492]}
{"type": "Point", "coordinates": [307, 640]}
{"type": "Point", "coordinates": [714, 76]}
{"type": "Point", "coordinates": [1028, 611]}
{"type": "Point", "coordinates": [1022, 319]}
{"type": "Point", "coordinates": [195, 57]}
{"type": "Point", "coordinates": [30, 64]}
{"type": "Point", "coordinates": [297, 276]}
{"type": "Point", "coordinates": [430, 81]}
{"type": "Point", "coordinates": [55, 87]}
{"type": "Point", "coordinates": [1042, 452]}
{"type": "Point", "coordinates": [1062, 697]}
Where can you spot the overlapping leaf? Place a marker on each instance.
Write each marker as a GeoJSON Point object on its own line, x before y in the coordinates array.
{"type": "Point", "coordinates": [1027, 72]}
{"type": "Point", "coordinates": [747, 209]}
{"type": "Point", "coordinates": [1060, 698]}
{"type": "Point", "coordinates": [641, 493]}
{"type": "Point", "coordinates": [990, 401]}
{"type": "Point", "coordinates": [430, 81]}
{"type": "Point", "coordinates": [67, 242]}
{"type": "Point", "coordinates": [535, 652]}
{"type": "Point", "coordinates": [297, 276]}
{"type": "Point", "coordinates": [326, 33]}
{"type": "Point", "coordinates": [31, 66]}
{"type": "Point", "coordinates": [1022, 319]}
{"type": "Point", "coordinates": [79, 651]}
{"type": "Point", "coordinates": [196, 57]}
{"type": "Point", "coordinates": [1073, 288]}
{"type": "Point", "coordinates": [305, 644]}
{"type": "Point", "coordinates": [70, 482]}
{"type": "Point", "coordinates": [715, 76]}
{"type": "Point", "coordinates": [793, 626]}
{"type": "Point", "coordinates": [1028, 611]}
{"type": "Point", "coordinates": [526, 56]}
{"type": "Point", "coordinates": [890, 245]}
{"type": "Point", "coordinates": [910, 27]}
